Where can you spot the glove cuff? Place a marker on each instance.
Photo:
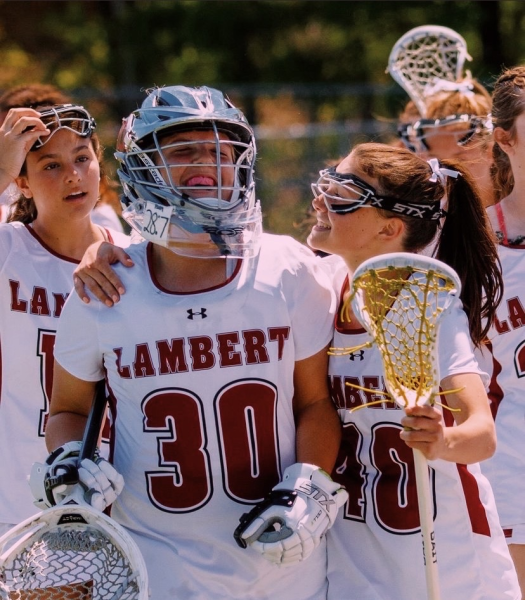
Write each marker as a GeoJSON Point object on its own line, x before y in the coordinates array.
{"type": "Point", "coordinates": [67, 450]}
{"type": "Point", "coordinates": [40, 472]}
{"type": "Point", "coordinates": [313, 482]}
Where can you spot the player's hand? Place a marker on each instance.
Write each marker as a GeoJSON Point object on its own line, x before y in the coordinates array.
{"type": "Point", "coordinates": [288, 526]}
{"type": "Point", "coordinates": [95, 273]}
{"type": "Point", "coordinates": [51, 482]}
{"type": "Point", "coordinates": [20, 130]}
{"type": "Point", "coordinates": [424, 430]}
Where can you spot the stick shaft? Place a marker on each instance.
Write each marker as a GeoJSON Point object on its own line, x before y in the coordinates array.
{"type": "Point", "coordinates": [94, 422]}
{"type": "Point", "coordinates": [427, 525]}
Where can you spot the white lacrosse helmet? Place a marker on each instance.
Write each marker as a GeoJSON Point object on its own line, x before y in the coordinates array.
{"type": "Point", "coordinates": [212, 211]}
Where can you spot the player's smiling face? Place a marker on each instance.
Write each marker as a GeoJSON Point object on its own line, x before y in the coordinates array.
{"type": "Point", "coordinates": [63, 175]}
{"type": "Point", "coordinates": [193, 157]}
{"type": "Point", "coordinates": [350, 234]}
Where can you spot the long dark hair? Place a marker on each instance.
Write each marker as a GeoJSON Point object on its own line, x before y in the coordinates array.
{"type": "Point", "coordinates": [464, 240]}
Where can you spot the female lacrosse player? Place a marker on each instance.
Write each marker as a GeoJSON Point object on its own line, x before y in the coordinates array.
{"type": "Point", "coordinates": [378, 200]}
{"type": "Point", "coordinates": [53, 157]}
{"type": "Point", "coordinates": [506, 469]}
{"type": "Point", "coordinates": [448, 114]}
{"type": "Point", "coordinates": [456, 125]}
{"type": "Point", "coordinates": [36, 95]}
{"type": "Point", "coordinates": [216, 368]}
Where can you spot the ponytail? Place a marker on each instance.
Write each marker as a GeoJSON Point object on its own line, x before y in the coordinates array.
{"type": "Point", "coordinates": [23, 210]}
{"type": "Point", "coordinates": [467, 244]}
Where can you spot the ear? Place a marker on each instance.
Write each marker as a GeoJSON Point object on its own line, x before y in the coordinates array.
{"type": "Point", "coordinates": [392, 229]}
{"type": "Point", "coordinates": [503, 139]}
{"type": "Point", "coordinates": [23, 186]}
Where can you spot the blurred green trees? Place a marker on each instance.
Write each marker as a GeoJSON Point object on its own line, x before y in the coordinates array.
{"type": "Point", "coordinates": [310, 74]}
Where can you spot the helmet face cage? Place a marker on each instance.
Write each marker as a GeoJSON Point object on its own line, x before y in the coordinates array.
{"type": "Point", "coordinates": [72, 117]}
{"type": "Point", "coordinates": [154, 166]}
{"type": "Point", "coordinates": [199, 133]}
{"type": "Point", "coordinates": [414, 135]}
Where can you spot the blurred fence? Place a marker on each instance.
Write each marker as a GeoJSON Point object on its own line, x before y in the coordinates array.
{"type": "Point", "coordinates": [289, 159]}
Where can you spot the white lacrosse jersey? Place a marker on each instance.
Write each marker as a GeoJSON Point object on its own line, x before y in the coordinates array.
{"type": "Point", "coordinates": [202, 385]}
{"type": "Point", "coordinates": [375, 546]}
{"type": "Point", "coordinates": [35, 282]}
{"type": "Point", "coordinates": [505, 359]}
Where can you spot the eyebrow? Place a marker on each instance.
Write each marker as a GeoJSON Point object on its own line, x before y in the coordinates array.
{"type": "Point", "coordinates": [77, 149]}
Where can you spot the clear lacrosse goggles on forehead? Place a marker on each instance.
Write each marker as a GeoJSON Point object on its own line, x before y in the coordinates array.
{"type": "Point", "coordinates": [345, 193]}
{"type": "Point", "coordinates": [414, 135]}
{"type": "Point", "coordinates": [72, 117]}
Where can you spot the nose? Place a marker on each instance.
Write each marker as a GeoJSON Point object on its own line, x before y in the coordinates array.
{"type": "Point", "coordinates": [318, 203]}
{"type": "Point", "coordinates": [72, 174]}
{"type": "Point", "coordinates": [205, 154]}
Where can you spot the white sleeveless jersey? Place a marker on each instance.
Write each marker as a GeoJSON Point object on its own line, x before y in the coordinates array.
{"type": "Point", "coordinates": [204, 425]}
{"type": "Point", "coordinates": [35, 283]}
{"type": "Point", "coordinates": [375, 546]}
{"type": "Point", "coordinates": [505, 360]}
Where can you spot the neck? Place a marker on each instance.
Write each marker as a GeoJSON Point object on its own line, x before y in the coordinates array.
{"type": "Point", "coordinates": [183, 274]}
{"type": "Point", "coordinates": [68, 240]}
{"type": "Point", "coordinates": [515, 201]}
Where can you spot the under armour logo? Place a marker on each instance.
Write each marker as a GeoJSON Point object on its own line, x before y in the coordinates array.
{"type": "Point", "coordinates": [196, 313]}
{"type": "Point", "coordinates": [360, 355]}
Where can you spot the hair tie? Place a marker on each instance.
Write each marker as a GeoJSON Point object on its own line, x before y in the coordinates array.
{"type": "Point", "coordinates": [440, 173]}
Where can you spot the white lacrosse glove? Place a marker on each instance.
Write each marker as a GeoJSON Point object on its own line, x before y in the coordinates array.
{"type": "Point", "coordinates": [289, 524]}
{"type": "Point", "coordinates": [54, 480]}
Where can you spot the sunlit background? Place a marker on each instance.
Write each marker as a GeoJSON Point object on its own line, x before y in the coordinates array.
{"type": "Point", "coordinates": [310, 76]}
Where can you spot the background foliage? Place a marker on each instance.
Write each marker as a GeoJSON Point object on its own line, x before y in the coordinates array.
{"type": "Point", "coordinates": [310, 75]}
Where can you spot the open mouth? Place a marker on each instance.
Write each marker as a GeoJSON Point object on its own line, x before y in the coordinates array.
{"type": "Point", "coordinates": [200, 181]}
{"type": "Point", "coordinates": [321, 225]}
{"type": "Point", "coordinates": [76, 196]}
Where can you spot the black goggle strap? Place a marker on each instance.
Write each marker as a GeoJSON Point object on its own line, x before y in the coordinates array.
{"type": "Point", "coordinates": [427, 212]}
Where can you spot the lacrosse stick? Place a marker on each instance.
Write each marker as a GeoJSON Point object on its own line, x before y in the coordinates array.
{"type": "Point", "coordinates": [399, 299]}
{"type": "Point", "coordinates": [72, 551]}
{"type": "Point", "coordinates": [427, 58]}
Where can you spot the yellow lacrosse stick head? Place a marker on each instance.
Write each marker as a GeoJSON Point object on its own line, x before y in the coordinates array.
{"type": "Point", "coordinates": [400, 299]}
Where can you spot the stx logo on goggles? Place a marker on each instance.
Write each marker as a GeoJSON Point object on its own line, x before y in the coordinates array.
{"type": "Point", "coordinates": [427, 212]}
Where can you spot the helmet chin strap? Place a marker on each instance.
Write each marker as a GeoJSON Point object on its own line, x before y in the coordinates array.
{"type": "Point", "coordinates": [223, 247]}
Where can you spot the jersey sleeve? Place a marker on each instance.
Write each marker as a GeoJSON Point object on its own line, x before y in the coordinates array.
{"type": "Point", "coordinates": [7, 243]}
{"type": "Point", "coordinates": [77, 345]}
{"type": "Point", "coordinates": [456, 351]}
{"type": "Point", "coordinates": [314, 306]}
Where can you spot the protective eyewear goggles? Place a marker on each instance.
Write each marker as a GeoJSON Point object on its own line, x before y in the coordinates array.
{"type": "Point", "coordinates": [72, 117]}
{"type": "Point", "coordinates": [414, 135]}
{"type": "Point", "coordinates": [359, 194]}
{"type": "Point", "coordinates": [356, 192]}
